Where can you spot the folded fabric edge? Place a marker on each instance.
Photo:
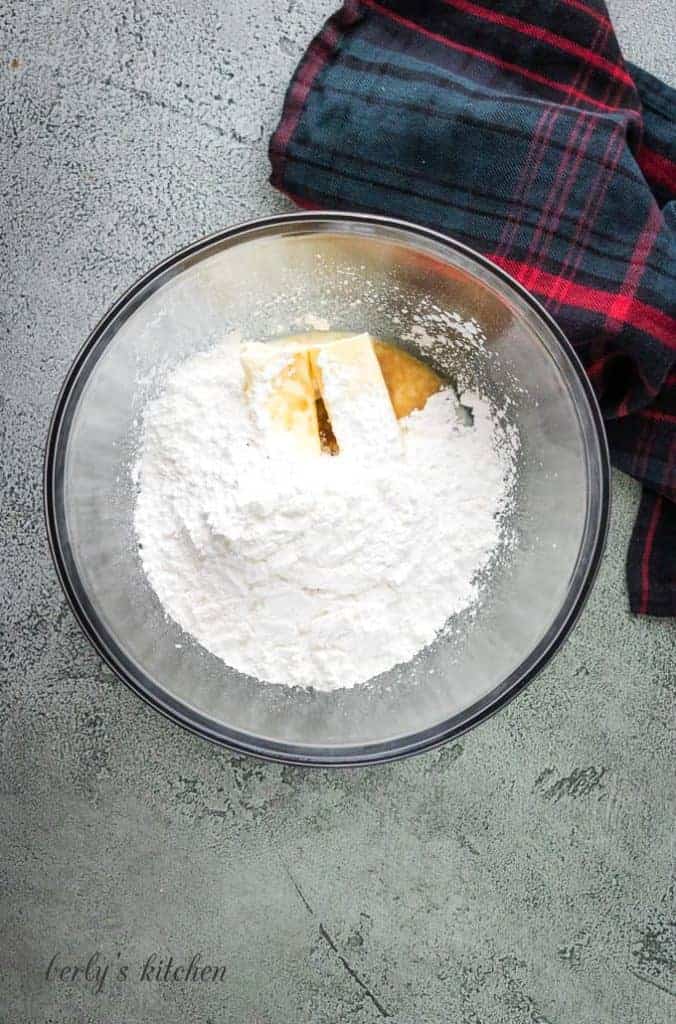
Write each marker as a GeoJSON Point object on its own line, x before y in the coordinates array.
{"type": "Point", "coordinates": [649, 595]}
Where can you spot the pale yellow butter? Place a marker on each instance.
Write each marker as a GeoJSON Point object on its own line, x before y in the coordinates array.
{"type": "Point", "coordinates": [282, 392]}
{"type": "Point", "coordinates": [355, 394]}
{"type": "Point", "coordinates": [285, 379]}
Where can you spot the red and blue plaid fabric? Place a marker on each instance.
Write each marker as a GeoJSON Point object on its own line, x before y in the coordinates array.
{"type": "Point", "coordinates": [518, 128]}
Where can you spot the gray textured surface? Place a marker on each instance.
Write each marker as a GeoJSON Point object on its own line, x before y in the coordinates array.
{"type": "Point", "coordinates": [520, 875]}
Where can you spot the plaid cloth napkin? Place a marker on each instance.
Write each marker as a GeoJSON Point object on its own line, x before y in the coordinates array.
{"type": "Point", "coordinates": [518, 128]}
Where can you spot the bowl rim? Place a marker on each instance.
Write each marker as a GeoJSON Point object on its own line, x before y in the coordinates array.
{"type": "Point", "coordinates": [344, 755]}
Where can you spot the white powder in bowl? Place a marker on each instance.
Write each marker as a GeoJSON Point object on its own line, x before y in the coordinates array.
{"type": "Point", "coordinates": [316, 571]}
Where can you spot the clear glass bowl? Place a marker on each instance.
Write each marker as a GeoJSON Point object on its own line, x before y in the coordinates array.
{"type": "Point", "coordinates": [358, 272]}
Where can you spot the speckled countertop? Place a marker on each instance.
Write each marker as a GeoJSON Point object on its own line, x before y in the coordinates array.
{"type": "Point", "coordinates": [519, 875]}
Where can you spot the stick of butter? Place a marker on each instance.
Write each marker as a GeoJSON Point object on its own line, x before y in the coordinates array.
{"type": "Point", "coordinates": [281, 391]}
{"type": "Point", "coordinates": [351, 383]}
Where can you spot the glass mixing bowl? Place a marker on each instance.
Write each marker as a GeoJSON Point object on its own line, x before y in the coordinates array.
{"type": "Point", "coordinates": [399, 282]}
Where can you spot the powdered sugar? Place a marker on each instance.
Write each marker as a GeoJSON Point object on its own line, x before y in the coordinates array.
{"type": "Point", "coordinates": [318, 571]}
